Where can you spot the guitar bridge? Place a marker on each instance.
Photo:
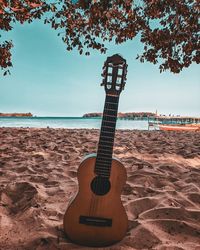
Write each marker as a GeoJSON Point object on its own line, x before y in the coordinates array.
{"type": "Point", "coordinates": [95, 221]}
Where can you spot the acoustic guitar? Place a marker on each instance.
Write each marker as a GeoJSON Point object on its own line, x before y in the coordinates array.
{"type": "Point", "coordinates": [96, 216]}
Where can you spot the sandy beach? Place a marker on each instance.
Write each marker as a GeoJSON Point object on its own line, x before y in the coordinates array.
{"type": "Point", "coordinates": [38, 169]}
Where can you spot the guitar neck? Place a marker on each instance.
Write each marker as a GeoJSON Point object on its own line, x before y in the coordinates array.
{"type": "Point", "coordinates": [107, 135]}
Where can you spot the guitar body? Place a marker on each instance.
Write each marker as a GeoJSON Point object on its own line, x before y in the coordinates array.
{"type": "Point", "coordinates": [97, 220]}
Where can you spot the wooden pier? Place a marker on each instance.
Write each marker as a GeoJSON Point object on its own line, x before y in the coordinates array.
{"type": "Point", "coordinates": [176, 119]}
{"type": "Point", "coordinates": [165, 119]}
{"type": "Point", "coordinates": [151, 117]}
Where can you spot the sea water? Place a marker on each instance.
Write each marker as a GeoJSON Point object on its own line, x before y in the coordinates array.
{"type": "Point", "coordinates": [68, 122]}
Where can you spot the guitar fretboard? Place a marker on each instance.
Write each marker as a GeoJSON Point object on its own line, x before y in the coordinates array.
{"type": "Point", "coordinates": [107, 135]}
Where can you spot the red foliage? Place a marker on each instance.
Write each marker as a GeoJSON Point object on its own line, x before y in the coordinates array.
{"type": "Point", "coordinates": [168, 29]}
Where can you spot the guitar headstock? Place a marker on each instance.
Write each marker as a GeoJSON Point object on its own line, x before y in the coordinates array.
{"type": "Point", "coordinates": [114, 74]}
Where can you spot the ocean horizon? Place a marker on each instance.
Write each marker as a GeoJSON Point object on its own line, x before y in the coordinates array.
{"type": "Point", "coordinates": [68, 122]}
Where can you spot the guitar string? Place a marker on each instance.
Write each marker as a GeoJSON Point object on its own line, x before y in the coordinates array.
{"type": "Point", "coordinates": [94, 200]}
{"type": "Point", "coordinates": [117, 99]}
{"type": "Point", "coordinates": [94, 203]}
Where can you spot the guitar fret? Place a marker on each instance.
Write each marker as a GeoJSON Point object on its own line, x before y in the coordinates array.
{"type": "Point", "coordinates": [100, 152]}
{"type": "Point", "coordinates": [102, 174]}
{"type": "Point", "coordinates": [105, 163]}
{"type": "Point", "coordinates": [110, 131]}
{"type": "Point", "coordinates": [107, 159]}
{"type": "Point", "coordinates": [113, 121]}
{"type": "Point", "coordinates": [107, 136]}
{"type": "Point", "coordinates": [107, 109]}
{"type": "Point", "coordinates": [106, 174]}
{"type": "Point", "coordinates": [104, 150]}
{"type": "Point", "coordinates": [103, 166]}
{"type": "Point", "coordinates": [109, 112]}
{"type": "Point", "coordinates": [109, 155]}
{"type": "Point", "coordinates": [104, 145]}
{"type": "Point", "coordinates": [99, 158]}
{"type": "Point", "coordinates": [107, 132]}
{"type": "Point", "coordinates": [110, 115]}
{"type": "Point", "coordinates": [104, 153]}
{"type": "Point", "coordinates": [112, 103]}
{"type": "Point", "coordinates": [108, 127]}
{"type": "Point", "coordinates": [105, 119]}
{"type": "Point", "coordinates": [110, 142]}
{"type": "Point", "coordinates": [111, 107]}
{"type": "Point", "coordinates": [103, 169]}
{"type": "Point", "coordinates": [103, 134]}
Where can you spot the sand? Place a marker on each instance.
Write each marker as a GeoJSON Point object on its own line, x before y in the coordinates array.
{"type": "Point", "coordinates": [38, 178]}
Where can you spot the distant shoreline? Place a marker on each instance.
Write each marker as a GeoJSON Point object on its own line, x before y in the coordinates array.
{"type": "Point", "coordinates": [146, 115]}
{"type": "Point", "coordinates": [16, 115]}
{"type": "Point", "coordinates": [124, 115]}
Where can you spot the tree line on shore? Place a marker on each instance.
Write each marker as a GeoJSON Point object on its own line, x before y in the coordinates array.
{"type": "Point", "coordinates": [124, 115]}
{"type": "Point", "coordinates": [16, 114]}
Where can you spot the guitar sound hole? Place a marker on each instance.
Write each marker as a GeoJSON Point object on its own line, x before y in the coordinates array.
{"type": "Point", "coordinates": [100, 185]}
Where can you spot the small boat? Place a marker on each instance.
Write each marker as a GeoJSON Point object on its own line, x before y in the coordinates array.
{"type": "Point", "coordinates": [153, 125]}
{"type": "Point", "coordinates": [181, 127]}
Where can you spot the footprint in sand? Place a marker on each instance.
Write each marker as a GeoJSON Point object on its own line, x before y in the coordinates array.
{"type": "Point", "coordinates": [194, 197]}
{"type": "Point", "coordinates": [72, 173]}
{"type": "Point", "coordinates": [138, 206]}
{"type": "Point", "coordinates": [2, 163]}
{"type": "Point", "coordinates": [170, 213]}
{"type": "Point", "coordinates": [38, 178]}
{"type": "Point", "coordinates": [21, 169]}
{"type": "Point", "coordinates": [142, 238]}
{"type": "Point", "coordinates": [186, 231]}
{"type": "Point", "coordinates": [147, 179]}
{"type": "Point", "coordinates": [50, 184]}
{"type": "Point", "coordinates": [127, 189]}
{"type": "Point", "coordinates": [38, 158]}
{"type": "Point", "coordinates": [22, 196]}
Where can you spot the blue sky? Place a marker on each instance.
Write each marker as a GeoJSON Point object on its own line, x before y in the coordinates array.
{"type": "Point", "coordinates": [47, 80]}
